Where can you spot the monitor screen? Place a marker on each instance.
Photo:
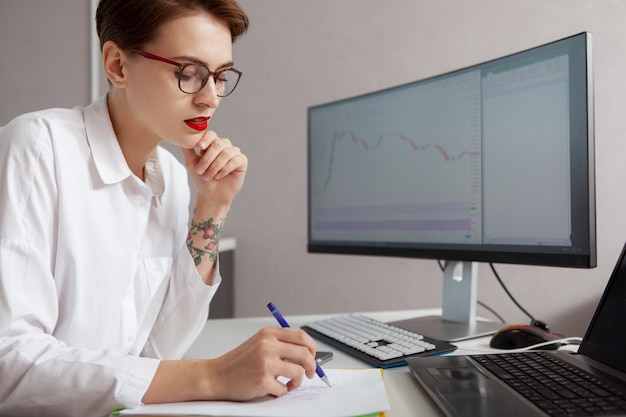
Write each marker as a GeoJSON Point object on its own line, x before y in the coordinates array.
{"type": "Point", "coordinates": [491, 163]}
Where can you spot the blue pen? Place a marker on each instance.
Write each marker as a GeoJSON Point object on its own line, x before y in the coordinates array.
{"type": "Point", "coordinates": [283, 323]}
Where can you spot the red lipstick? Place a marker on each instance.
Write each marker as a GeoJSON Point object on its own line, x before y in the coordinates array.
{"type": "Point", "coordinates": [198, 123]}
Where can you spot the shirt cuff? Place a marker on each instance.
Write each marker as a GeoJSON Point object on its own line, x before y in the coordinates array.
{"type": "Point", "coordinates": [136, 382]}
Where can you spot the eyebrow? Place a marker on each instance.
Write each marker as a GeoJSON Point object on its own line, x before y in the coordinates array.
{"type": "Point", "coordinates": [198, 61]}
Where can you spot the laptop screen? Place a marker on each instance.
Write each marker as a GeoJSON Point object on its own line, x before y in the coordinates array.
{"type": "Point", "coordinates": [605, 340]}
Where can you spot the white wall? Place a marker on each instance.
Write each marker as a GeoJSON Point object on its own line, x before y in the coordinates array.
{"type": "Point", "coordinates": [299, 53]}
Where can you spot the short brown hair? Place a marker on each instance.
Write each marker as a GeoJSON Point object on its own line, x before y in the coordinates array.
{"type": "Point", "coordinates": [133, 23]}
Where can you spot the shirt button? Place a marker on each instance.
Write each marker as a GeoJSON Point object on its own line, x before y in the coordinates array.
{"type": "Point", "coordinates": [131, 339]}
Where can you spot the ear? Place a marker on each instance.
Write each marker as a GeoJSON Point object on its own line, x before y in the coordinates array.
{"type": "Point", "coordinates": [114, 60]}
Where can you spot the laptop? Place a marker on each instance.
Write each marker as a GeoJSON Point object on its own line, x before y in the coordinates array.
{"type": "Point", "coordinates": [473, 386]}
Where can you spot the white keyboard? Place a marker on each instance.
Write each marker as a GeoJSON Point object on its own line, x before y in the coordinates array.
{"type": "Point", "coordinates": [378, 343]}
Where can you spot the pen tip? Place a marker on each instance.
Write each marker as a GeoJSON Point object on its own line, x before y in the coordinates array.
{"type": "Point", "coordinates": [325, 379]}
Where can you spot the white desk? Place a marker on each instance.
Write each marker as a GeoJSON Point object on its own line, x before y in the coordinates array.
{"type": "Point", "coordinates": [406, 397]}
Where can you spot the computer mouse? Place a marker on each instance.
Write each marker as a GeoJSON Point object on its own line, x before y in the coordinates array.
{"type": "Point", "coordinates": [518, 336]}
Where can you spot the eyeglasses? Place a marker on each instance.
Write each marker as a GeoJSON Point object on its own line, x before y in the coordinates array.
{"type": "Point", "coordinates": [193, 77]}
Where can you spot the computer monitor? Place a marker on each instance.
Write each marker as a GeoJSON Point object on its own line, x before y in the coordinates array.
{"type": "Point", "coordinates": [489, 163]}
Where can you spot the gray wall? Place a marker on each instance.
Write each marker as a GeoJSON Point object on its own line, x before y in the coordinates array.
{"type": "Point", "coordinates": [299, 53]}
{"type": "Point", "coordinates": [44, 55]}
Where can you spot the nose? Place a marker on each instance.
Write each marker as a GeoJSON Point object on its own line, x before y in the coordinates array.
{"type": "Point", "coordinates": [208, 95]}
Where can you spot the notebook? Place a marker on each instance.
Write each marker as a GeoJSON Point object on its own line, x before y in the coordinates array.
{"type": "Point", "coordinates": [472, 386]}
{"type": "Point", "coordinates": [354, 392]}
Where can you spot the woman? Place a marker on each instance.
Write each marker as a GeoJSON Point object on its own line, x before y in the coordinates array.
{"type": "Point", "coordinates": [103, 282]}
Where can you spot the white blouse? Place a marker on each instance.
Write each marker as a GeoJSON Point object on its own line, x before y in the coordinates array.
{"type": "Point", "coordinates": [96, 282]}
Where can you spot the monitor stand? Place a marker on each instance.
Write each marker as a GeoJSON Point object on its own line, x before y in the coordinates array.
{"type": "Point", "coordinates": [458, 318]}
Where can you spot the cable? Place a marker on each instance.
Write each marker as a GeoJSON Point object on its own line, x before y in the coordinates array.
{"type": "Point", "coordinates": [563, 342]}
{"type": "Point", "coordinates": [509, 293]}
{"type": "Point", "coordinates": [480, 303]}
{"type": "Point", "coordinates": [491, 310]}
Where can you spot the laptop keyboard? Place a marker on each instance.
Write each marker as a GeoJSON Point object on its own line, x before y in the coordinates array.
{"type": "Point", "coordinates": [373, 341]}
{"type": "Point", "coordinates": [556, 387]}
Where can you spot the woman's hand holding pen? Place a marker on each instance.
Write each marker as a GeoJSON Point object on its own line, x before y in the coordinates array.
{"type": "Point", "coordinates": [252, 369]}
{"type": "Point", "coordinates": [218, 170]}
{"type": "Point", "coordinates": [249, 371]}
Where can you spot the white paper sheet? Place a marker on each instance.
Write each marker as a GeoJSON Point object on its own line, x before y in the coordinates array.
{"type": "Point", "coordinates": [354, 392]}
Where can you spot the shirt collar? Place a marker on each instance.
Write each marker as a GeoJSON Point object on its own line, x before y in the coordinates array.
{"type": "Point", "coordinates": [107, 154]}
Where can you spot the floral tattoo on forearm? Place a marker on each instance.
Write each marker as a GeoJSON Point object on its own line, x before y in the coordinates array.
{"type": "Point", "coordinates": [203, 240]}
